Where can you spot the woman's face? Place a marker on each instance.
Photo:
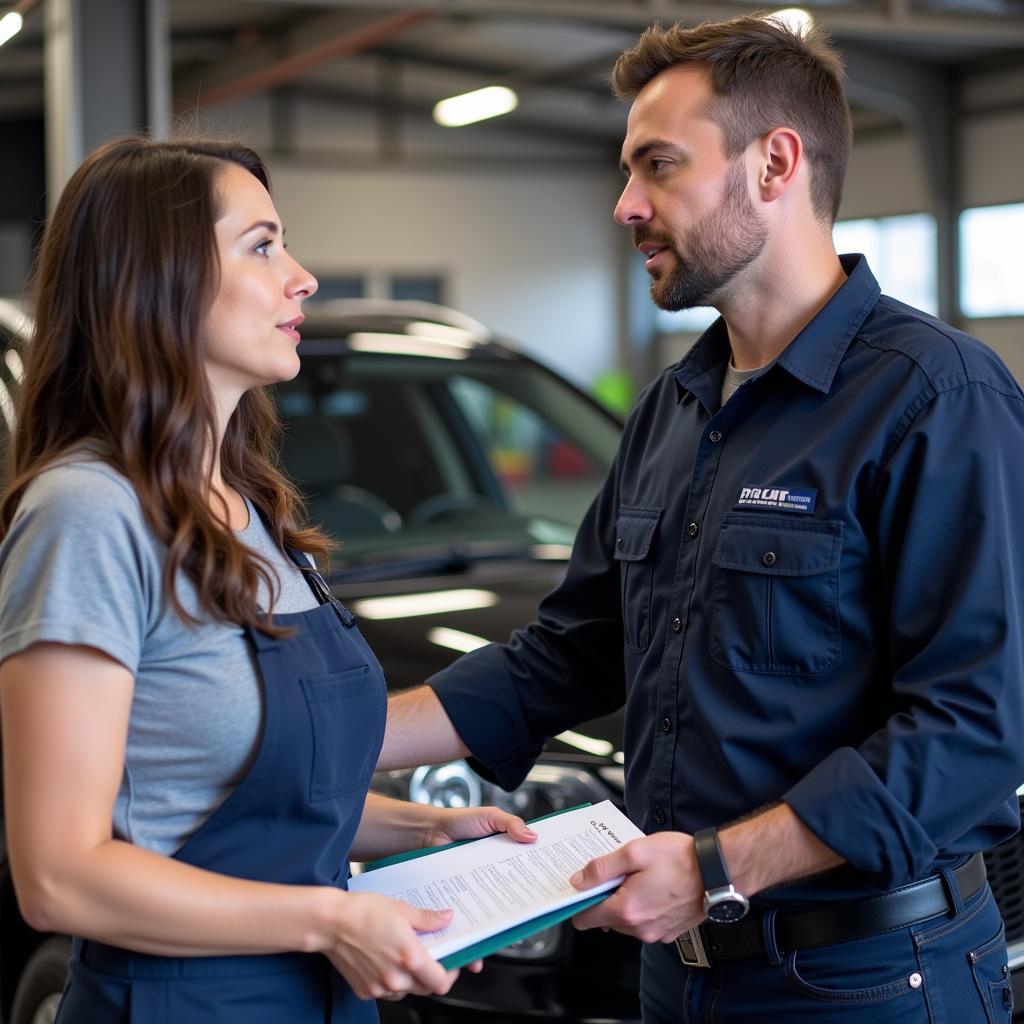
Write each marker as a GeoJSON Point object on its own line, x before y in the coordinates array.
{"type": "Point", "coordinates": [251, 332]}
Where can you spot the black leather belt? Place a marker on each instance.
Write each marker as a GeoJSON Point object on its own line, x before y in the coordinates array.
{"type": "Point", "coordinates": [829, 923]}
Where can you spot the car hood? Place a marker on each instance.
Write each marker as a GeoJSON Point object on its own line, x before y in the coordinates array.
{"type": "Point", "coordinates": [482, 603]}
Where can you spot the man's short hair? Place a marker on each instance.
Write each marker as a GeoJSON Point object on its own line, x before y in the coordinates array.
{"type": "Point", "coordinates": [764, 75]}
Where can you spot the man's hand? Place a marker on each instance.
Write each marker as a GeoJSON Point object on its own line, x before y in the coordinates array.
{"type": "Point", "coordinates": [662, 896]}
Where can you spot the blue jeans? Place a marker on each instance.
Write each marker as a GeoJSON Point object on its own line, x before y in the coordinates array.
{"type": "Point", "coordinates": [949, 969]}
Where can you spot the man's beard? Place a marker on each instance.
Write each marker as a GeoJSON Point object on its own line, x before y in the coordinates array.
{"type": "Point", "coordinates": [721, 244]}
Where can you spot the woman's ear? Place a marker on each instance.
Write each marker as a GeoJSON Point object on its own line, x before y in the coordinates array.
{"type": "Point", "coordinates": [781, 154]}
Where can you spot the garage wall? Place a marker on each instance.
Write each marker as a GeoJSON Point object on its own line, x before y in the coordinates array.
{"type": "Point", "coordinates": [531, 254]}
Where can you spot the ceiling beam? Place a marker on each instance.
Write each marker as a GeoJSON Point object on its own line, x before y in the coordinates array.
{"type": "Point", "coordinates": [896, 22]}
{"type": "Point", "coordinates": [303, 61]}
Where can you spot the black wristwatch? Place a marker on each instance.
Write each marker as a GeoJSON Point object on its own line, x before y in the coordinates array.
{"type": "Point", "coordinates": [722, 903]}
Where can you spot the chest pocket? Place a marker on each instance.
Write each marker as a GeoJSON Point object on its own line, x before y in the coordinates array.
{"type": "Point", "coordinates": [347, 711]}
{"type": "Point", "coordinates": [634, 536]}
{"type": "Point", "coordinates": [776, 595]}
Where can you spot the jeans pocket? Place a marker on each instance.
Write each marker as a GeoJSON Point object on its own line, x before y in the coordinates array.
{"type": "Point", "coordinates": [964, 963]}
{"type": "Point", "coordinates": [992, 977]}
{"type": "Point", "coordinates": [868, 971]}
{"type": "Point", "coordinates": [346, 709]}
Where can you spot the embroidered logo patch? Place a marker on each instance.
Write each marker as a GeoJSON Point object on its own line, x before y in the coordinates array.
{"type": "Point", "coordinates": [791, 499]}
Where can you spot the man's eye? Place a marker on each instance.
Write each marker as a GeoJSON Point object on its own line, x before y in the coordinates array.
{"type": "Point", "coordinates": [657, 164]}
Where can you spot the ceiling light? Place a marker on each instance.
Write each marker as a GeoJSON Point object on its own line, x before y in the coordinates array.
{"type": "Point", "coordinates": [796, 19]}
{"type": "Point", "coordinates": [475, 106]}
{"type": "Point", "coordinates": [404, 606]}
{"type": "Point", "coordinates": [10, 25]}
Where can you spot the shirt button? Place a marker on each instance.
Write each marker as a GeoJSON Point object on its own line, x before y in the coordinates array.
{"type": "Point", "coordinates": [666, 724]}
{"type": "Point", "coordinates": [693, 529]}
{"type": "Point", "coordinates": [659, 816]}
{"type": "Point", "coordinates": [768, 558]}
{"type": "Point", "coordinates": [677, 624]}
{"type": "Point", "coordinates": [715, 436]}
{"type": "Point", "coordinates": [915, 980]}
{"type": "Point", "coordinates": [619, 543]}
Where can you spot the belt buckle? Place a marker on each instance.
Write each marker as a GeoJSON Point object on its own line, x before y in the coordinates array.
{"type": "Point", "coordinates": [690, 947]}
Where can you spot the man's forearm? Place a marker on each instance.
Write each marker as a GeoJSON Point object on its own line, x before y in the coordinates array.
{"type": "Point", "coordinates": [419, 731]}
{"type": "Point", "coordinates": [773, 848]}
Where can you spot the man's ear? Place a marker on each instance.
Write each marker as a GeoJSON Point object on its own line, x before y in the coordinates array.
{"type": "Point", "coordinates": [781, 154]}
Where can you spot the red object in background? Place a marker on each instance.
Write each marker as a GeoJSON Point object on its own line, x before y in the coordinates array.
{"type": "Point", "coordinates": [565, 460]}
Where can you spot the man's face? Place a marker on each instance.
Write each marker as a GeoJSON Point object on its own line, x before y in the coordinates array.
{"type": "Point", "coordinates": [687, 203]}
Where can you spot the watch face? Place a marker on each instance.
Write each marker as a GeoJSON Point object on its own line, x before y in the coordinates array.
{"type": "Point", "coordinates": [725, 905]}
{"type": "Point", "coordinates": [727, 910]}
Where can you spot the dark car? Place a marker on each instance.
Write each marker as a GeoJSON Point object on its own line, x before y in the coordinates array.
{"type": "Point", "coordinates": [455, 471]}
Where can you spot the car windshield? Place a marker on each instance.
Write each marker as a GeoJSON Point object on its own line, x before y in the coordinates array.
{"type": "Point", "coordinates": [405, 456]}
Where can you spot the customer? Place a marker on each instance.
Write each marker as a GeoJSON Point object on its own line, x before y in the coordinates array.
{"type": "Point", "coordinates": [190, 719]}
{"type": "Point", "coordinates": [804, 577]}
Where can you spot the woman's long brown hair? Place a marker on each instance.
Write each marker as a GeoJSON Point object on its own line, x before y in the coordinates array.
{"type": "Point", "coordinates": [127, 272]}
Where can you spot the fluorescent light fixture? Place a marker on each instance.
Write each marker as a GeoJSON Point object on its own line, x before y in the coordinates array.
{"type": "Point", "coordinates": [441, 332]}
{"type": "Point", "coordinates": [456, 640]}
{"type": "Point", "coordinates": [601, 748]}
{"type": "Point", "coordinates": [796, 19]}
{"type": "Point", "coordinates": [478, 105]}
{"type": "Point", "coordinates": [403, 345]}
{"type": "Point", "coordinates": [406, 606]}
{"type": "Point", "coordinates": [10, 25]}
{"type": "Point", "coordinates": [7, 407]}
{"type": "Point", "coordinates": [14, 364]}
{"type": "Point", "coordinates": [552, 552]}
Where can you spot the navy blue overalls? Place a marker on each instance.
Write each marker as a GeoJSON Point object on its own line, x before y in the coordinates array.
{"type": "Point", "coordinates": [291, 820]}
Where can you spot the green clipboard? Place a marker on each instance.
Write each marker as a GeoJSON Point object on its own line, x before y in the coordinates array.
{"type": "Point", "coordinates": [502, 939]}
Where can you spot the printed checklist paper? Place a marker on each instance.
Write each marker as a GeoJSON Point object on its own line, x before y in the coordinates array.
{"type": "Point", "coordinates": [502, 889]}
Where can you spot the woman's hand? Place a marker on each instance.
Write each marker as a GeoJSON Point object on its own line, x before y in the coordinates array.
{"type": "Point", "coordinates": [451, 824]}
{"type": "Point", "coordinates": [375, 947]}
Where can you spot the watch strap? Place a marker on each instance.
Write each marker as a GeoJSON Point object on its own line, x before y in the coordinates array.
{"type": "Point", "coordinates": [712, 867]}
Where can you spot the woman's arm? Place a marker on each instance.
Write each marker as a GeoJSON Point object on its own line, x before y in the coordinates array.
{"type": "Point", "coordinates": [64, 712]}
{"type": "Point", "coordinates": [394, 826]}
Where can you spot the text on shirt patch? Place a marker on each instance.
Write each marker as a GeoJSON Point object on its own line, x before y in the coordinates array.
{"type": "Point", "coordinates": [790, 498]}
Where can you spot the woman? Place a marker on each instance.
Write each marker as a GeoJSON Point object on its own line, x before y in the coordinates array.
{"type": "Point", "coordinates": [186, 774]}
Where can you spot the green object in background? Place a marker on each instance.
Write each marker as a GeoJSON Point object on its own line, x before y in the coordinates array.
{"type": "Point", "coordinates": [615, 390]}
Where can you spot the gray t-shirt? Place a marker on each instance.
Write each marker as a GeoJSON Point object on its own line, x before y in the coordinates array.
{"type": "Point", "coordinates": [80, 566]}
{"type": "Point", "coordinates": [734, 379]}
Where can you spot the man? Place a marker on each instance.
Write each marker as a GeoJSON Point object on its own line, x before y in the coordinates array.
{"type": "Point", "coordinates": [803, 577]}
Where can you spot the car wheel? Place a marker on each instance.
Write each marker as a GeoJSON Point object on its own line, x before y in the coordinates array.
{"type": "Point", "coordinates": [41, 983]}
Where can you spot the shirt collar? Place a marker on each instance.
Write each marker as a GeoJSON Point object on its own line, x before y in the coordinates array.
{"type": "Point", "coordinates": [813, 356]}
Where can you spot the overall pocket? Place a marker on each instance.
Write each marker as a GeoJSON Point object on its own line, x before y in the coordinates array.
{"type": "Point", "coordinates": [346, 710]}
{"type": "Point", "coordinates": [776, 595]}
{"type": "Point", "coordinates": [634, 533]}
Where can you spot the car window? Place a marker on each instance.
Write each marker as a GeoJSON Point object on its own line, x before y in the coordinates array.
{"type": "Point", "coordinates": [394, 450]}
{"type": "Point", "coordinates": [543, 471]}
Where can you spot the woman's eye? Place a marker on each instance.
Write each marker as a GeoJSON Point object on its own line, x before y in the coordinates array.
{"type": "Point", "coordinates": [262, 248]}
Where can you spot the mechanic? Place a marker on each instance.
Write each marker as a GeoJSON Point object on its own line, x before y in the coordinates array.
{"type": "Point", "coordinates": [186, 773]}
{"type": "Point", "coordinates": [804, 578]}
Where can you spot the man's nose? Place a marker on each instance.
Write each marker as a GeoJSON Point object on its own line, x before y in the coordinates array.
{"type": "Point", "coordinates": [633, 206]}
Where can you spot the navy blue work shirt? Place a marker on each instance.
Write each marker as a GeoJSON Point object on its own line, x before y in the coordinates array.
{"type": "Point", "coordinates": [814, 593]}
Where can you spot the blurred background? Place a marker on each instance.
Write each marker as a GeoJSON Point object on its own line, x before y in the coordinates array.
{"type": "Point", "coordinates": [508, 219]}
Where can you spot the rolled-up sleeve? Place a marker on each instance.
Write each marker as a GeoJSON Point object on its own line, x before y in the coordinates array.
{"type": "Point", "coordinates": [951, 545]}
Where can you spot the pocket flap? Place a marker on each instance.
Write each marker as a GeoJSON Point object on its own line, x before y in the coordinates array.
{"type": "Point", "coordinates": [778, 547]}
{"type": "Point", "coordinates": [634, 530]}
